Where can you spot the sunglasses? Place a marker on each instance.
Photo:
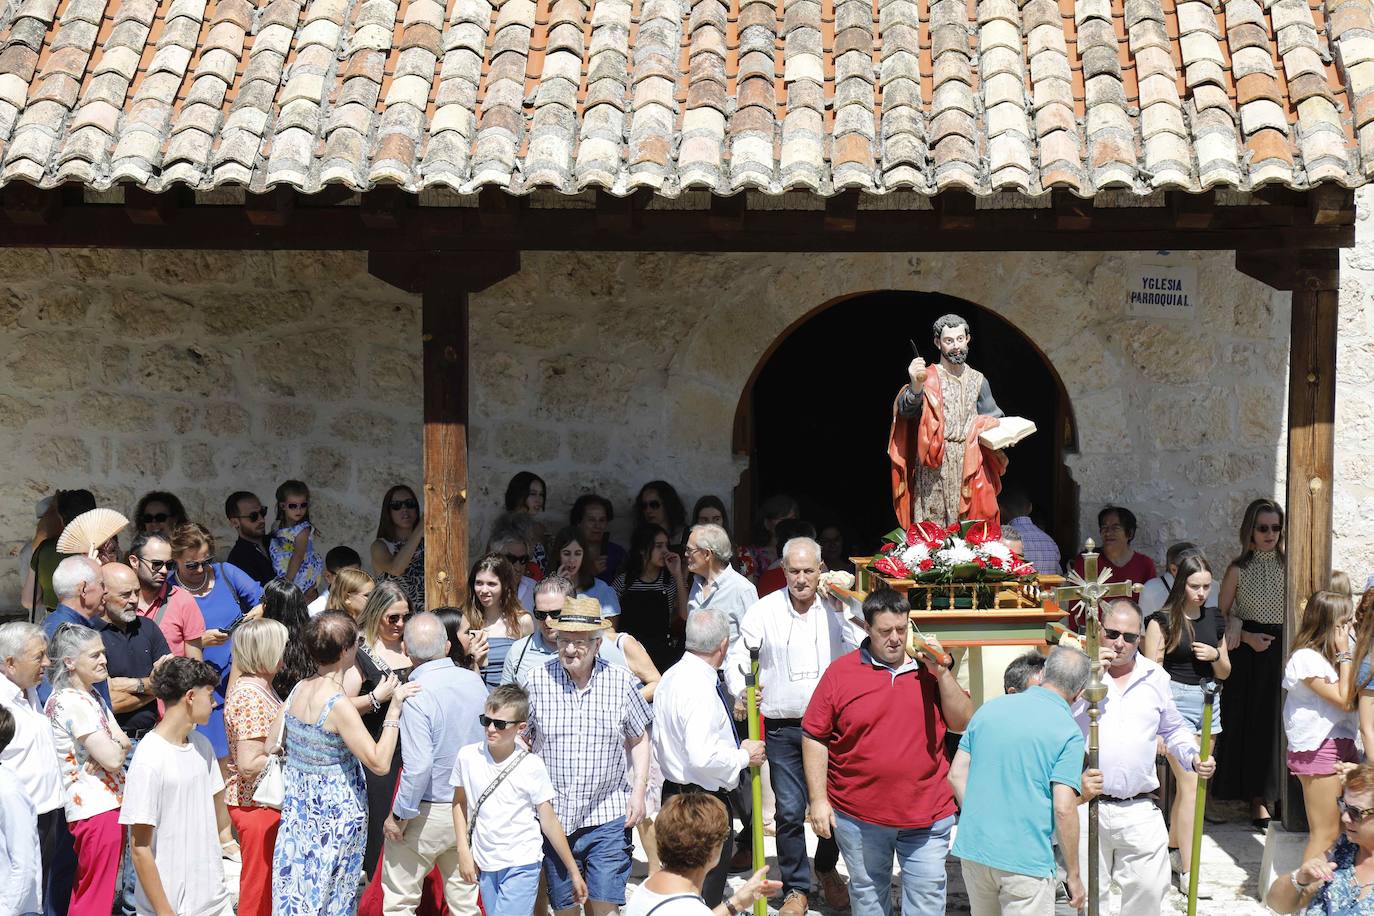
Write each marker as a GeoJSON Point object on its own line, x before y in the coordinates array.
{"type": "Point", "coordinates": [155, 565]}
{"type": "Point", "coordinates": [398, 504]}
{"type": "Point", "coordinates": [394, 619]}
{"type": "Point", "coordinates": [254, 516]}
{"type": "Point", "coordinates": [1269, 529]}
{"type": "Point", "coordinates": [1131, 638]}
{"type": "Point", "coordinates": [499, 724]}
{"type": "Point", "coordinates": [517, 559]}
{"type": "Point", "coordinates": [158, 517]}
{"type": "Point", "coordinates": [295, 506]}
{"type": "Point", "coordinates": [546, 615]}
{"type": "Point", "coordinates": [653, 504]}
{"type": "Point", "coordinates": [196, 565]}
{"type": "Point", "coordinates": [1356, 815]}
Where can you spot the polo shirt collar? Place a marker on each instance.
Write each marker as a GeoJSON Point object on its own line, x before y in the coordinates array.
{"type": "Point", "coordinates": [867, 658]}
{"type": "Point", "coordinates": [539, 643]}
{"type": "Point", "coordinates": [816, 603]}
{"type": "Point", "coordinates": [72, 610]}
{"type": "Point", "coordinates": [1051, 695]}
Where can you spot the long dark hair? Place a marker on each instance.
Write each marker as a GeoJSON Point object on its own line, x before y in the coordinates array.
{"type": "Point", "coordinates": [641, 545]}
{"type": "Point", "coordinates": [283, 602]}
{"type": "Point", "coordinates": [505, 573]}
{"type": "Point", "coordinates": [386, 528]}
{"type": "Point", "coordinates": [1189, 565]}
{"type": "Point", "coordinates": [1247, 530]}
{"type": "Point", "coordinates": [586, 572]}
{"type": "Point", "coordinates": [455, 622]}
{"type": "Point", "coordinates": [672, 504]}
{"type": "Point", "coordinates": [711, 502]}
{"type": "Point", "coordinates": [1364, 644]}
{"type": "Point", "coordinates": [518, 490]}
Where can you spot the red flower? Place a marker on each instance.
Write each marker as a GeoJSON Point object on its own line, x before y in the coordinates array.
{"type": "Point", "coordinates": [953, 528]}
{"type": "Point", "coordinates": [928, 533]}
{"type": "Point", "coordinates": [980, 562]}
{"type": "Point", "coordinates": [927, 564]}
{"type": "Point", "coordinates": [983, 532]}
{"type": "Point", "coordinates": [1023, 569]}
{"type": "Point", "coordinates": [995, 562]}
{"type": "Point", "coordinates": [891, 566]}
{"type": "Point", "coordinates": [890, 545]}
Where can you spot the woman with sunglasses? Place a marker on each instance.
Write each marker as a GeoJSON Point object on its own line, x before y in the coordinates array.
{"type": "Point", "coordinates": [1252, 602]}
{"type": "Point", "coordinates": [224, 593]}
{"type": "Point", "coordinates": [91, 748]}
{"type": "Point", "coordinates": [381, 665]}
{"type": "Point", "coordinates": [659, 504]}
{"type": "Point", "coordinates": [1336, 883]}
{"type": "Point", "coordinates": [398, 553]}
{"type": "Point", "coordinates": [159, 512]}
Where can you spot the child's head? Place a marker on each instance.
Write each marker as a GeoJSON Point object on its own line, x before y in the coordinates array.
{"type": "Point", "coordinates": [1325, 613]}
{"type": "Point", "coordinates": [293, 503]}
{"type": "Point", "coordinates": [6, 728]}
{"type": "Point", "coordinates": [187, 680]}
{"type": "Point", "coordinates": [507, 708]}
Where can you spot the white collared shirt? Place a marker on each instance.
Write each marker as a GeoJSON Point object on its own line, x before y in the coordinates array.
{"type": "Point", "coordinates": [694, 734]}
{"type": "Point", "coordinates": [31, 756]}
{"type": "Point", "coordinates": [794, 650]}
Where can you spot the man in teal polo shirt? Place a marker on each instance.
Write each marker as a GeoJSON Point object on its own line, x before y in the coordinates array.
{"type": "Point", "coordinates": [1017, 776]}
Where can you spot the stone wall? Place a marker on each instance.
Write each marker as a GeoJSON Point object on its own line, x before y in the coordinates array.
{"type": "Point", "coordinates": [204, 372]}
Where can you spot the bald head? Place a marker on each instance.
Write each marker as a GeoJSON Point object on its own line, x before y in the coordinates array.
{"type": "Point", "coordinates": [426, 639]}
{"type": "Point", "coordinates": [121, 592]}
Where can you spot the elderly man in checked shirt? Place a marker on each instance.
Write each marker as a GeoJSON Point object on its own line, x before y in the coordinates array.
{"type": "Point", "coordinates": [1134, 845]}
{"type": "Point", "coordinates": [585, 715]}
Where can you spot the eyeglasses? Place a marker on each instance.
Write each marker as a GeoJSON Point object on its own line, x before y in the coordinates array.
{"type": "Point", "coordinates": [1356, 815]}
{"type": "Point", "coordinates": [500, 724]}
{"type": "Point", "coordinates": [254, 516]}
{"type": "Point", "coordinates": [398, 504]}
{"type": "Point", "coordinates": [196, 565]}
{"type": "Point", "coordinates": [690, 548]}
{"type": "Point", "coordinates": [653, 504]}
{"type": "Point", "coordinates": [295, 506]}
{"type": "Point", "coordinates": [579, 645]}
{"type": "Point", "coordinates": [1131, 638]}
{"type": "Point", "coordinates": [394, 619]}
{"type": "Point", "coordinates": [1269, 529]}
{"type": "Point", "coordinates": [154, 565]}
{"type": "Point", "coordinates": [158, 517]}
{"type": "Point", "coordinates": [517, 559]}
{"type": "Point", "coordinates": [546, 615]}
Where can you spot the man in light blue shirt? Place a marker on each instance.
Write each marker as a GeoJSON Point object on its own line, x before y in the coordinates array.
{"type": "Point", "coordinates": [1016, 776]}
{"type": "Point", "coordinates": [434, 724]}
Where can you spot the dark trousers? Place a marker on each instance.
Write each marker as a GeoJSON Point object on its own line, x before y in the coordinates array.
{"type": "Point", "coordinates": [784, 737]}
{"type": "Point", "coordinates": [59, 862]}
{"type": "Point", "coordinates": [713, 888]}
{"type": "Point", "coordinates": [742, 800]}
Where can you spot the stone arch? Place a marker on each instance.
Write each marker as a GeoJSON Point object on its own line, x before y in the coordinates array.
{"type": "Point", "coordinates": [1001, 340]}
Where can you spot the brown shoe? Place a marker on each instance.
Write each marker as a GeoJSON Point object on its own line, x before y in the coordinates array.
{"type": "Point", "coordinates": [742, 860]}
{"type": "Point", "coordinates": [796, 904]}
{"type": "Point", "coordinates": [834, 890]}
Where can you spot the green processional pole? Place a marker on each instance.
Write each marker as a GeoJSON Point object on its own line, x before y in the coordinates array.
{"type": "Point", "coordinates": [1210, 689]}
{"type": "Point", "coordinates": [751, 683]}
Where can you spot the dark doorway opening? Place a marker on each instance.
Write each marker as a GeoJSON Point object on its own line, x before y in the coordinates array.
{"type": "Point", "coordinates": [815, 416]}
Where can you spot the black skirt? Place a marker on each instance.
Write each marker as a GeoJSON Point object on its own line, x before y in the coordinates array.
{"type": "Point", "coordinates": [1248, 764]}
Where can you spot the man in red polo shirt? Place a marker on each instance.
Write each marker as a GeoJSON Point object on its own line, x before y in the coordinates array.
{"type": "Point", "coordinates": [873, 748]}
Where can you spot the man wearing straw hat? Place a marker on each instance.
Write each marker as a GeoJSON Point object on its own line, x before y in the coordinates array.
{"type": "Point", "coordinates": [585, 715]}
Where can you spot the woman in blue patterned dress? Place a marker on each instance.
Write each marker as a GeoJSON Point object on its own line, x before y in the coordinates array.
{"type": "Point", "coordinates": [319, 855]}
{"type": "Point", "coordinates": [1341, 882]}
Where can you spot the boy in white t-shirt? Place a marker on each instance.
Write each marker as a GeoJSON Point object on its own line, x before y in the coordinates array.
{"type": "Point", "coordinates": [505, 842]}
{"type": "Point", "coordinates": [174, 801]}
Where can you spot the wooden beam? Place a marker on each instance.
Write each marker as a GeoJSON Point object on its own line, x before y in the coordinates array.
{"type": "Point", "coordinates": [272, 208]}
{"type": "Point", "coordinates": [1311, 445]}
{"type": "Point", "coordinates": [727, 213]}
{"type": "Point", "coordinates": [958, 209]}
{"type": "Point", "coordinates": [1277, 269]}
{"type": "Point", "coordinates": [381, 207]}
{"type": "Point", "coordinates": [148, 209]}
{"type": "Point", "coordinates": [498, 211]}
{"type": "Point", "coordinates": [1071, 212]}
{"type": "Point", "coordinates": [620, 214]}
{"type": "Point", "coordinates": [1331, 205]}
{"type": "Point", "coordinates": [26, 205]}
{"type": "Point", "coordinates": [1193, 211]}
{"type": "Point", "coordinates": [842, 212]}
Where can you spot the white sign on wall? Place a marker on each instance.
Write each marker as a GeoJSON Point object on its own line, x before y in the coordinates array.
{"type": "Point", "coordinates": [1161, 291]}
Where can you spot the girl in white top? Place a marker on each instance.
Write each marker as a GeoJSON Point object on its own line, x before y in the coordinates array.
{"type": "Point", "coordinates": [691, 830]}
{"type": "Point", "coordinates": [90, 751]}
{"type": "Point", "coordinates": [1320, 729]}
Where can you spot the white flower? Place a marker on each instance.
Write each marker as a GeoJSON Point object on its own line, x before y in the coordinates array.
{"type": "Point", "coordinates": [997, 549]}
{"type": "Point", "coordinates": [913, 555]}
{"type": "Point", "coordinates": [956, 554]}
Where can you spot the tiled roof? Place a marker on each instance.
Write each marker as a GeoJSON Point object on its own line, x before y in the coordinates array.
{"type": "Point", "coordinates": [671, 95]}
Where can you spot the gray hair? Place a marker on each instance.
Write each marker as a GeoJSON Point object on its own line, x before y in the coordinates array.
{"type": "Point", "coordinates": [72, 573]}
{"type": "Point", "coordinates": [66, 643]}
{"type": "Point", "coordinates": [16, 636]}
{"type": "Point", "coordinates": [798, 544]}
{"type": "Point", "coordinates": [1067, 670]}
{"type": "Point", "coordinates": [707, 628]}
{"type": "Point", "coordinates": [555, 585]}
{"type": "Point", "coordinates": [426, 639]}
{"type": "Point", "coordinates": [511, 526]}
{"type": "Point", "coordinates": [716, 540]}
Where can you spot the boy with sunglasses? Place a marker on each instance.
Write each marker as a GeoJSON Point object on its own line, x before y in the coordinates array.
{"type": "Point", "coordinates": [503, 810]}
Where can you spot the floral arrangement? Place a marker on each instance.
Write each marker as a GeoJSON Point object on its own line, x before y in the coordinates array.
{"type": "Point", "coordinates": [964, 552]}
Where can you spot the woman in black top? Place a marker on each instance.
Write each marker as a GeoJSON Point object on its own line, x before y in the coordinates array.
{"type": "Point", "coordinates": [1188, 639]}
{"type": "Point", "coordinates": [653, 591]}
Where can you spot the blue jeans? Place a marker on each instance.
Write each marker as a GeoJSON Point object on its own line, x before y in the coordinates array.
{"type": "Point", "coordinates": [789, 790]}
{"type": "Point", "coordinates": [509, 891]}
{"type": "Point", "coordinates": [603, 855]}
{"type": "Point", "coordinates": [921, 853]}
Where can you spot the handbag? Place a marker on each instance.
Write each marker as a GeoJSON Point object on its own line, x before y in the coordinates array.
{"type": "Point", "coordinates": [270, 791]}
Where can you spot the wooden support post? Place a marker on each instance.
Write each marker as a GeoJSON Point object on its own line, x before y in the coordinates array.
{"type": "Point", "coordinates": [1311, 446]}
{"type": "Point", "coordinates": [445, 280]}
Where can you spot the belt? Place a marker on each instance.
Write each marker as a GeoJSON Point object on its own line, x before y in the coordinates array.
{"type": "Point", "coordinates": [1113, 800]}
{"type": "Point", "coordinates": [685, 788]}
{"type": "Point", "coordinates": [782, 723]}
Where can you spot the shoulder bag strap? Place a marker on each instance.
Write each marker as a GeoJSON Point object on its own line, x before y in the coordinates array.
{"type": "Point", "coordinates": [377, 663]}
{"type": "Point", "coordinates": [667, 900]}
{"type": "Point", "coordinates": [491, 787]}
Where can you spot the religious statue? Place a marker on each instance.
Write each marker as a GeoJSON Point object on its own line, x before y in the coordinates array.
{"type": "Point", "coordinates": [940, 470]}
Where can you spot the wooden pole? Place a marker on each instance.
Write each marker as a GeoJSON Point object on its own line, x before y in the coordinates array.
{"type": "Point", "coordinates": [1311, 450]}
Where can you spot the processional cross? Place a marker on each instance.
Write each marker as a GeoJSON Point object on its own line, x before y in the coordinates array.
{"type": "Point", "coordinates": [1087, 591]}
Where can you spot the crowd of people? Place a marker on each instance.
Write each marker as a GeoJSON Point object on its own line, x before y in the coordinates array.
{"type": "Point", "coordinates": [302, 712]}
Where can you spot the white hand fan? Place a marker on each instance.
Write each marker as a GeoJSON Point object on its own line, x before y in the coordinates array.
{"type": "Point", "coordinates": [89, 530]}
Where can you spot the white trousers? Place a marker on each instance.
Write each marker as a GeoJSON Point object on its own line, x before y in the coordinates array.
{"type": "Point", "coordinates": [994, 892]}
{"type": "Point", "coordinates": [429, 840]}
{"type": "Point", "coordinates": [1133, 851]}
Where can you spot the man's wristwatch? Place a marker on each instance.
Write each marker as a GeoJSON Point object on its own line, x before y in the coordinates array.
{"type": "Point", "coordinates": [141, 687]}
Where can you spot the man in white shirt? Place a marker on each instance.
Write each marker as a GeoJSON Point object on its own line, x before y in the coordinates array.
{"type": "Point", "coordinates": [21, 882]}
{"type": "Point", "coordinates": [1156, 591]}
{"type": "Point", "coordinates": [1133, 848]}
{"type": "Point", "coordinates": [31, 756]}
{"type": "Point", "coordinates": [798, 634]}
{"type": "Point", "coordinates": [695, 740]}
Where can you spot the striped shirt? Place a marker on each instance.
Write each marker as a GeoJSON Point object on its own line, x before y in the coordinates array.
{"type": "Point", "coordinates": [580, 735]}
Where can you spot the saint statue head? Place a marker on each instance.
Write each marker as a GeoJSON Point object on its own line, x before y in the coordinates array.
{"type": "Point", "coordinates": [952, 338]}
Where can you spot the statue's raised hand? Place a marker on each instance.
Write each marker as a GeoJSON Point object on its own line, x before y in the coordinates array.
{"type": "Point", "coordinates": [916, 371]}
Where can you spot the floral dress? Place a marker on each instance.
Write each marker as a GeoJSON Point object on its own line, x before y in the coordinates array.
{"type": "Point", "coordinates": [412, 581]}
{"type": "Point", "coordinates": [1342, 895]}
{"type": "Point", "coordinates": [319, 853]}
{"type": "Point", "coordinates": [280, 548]}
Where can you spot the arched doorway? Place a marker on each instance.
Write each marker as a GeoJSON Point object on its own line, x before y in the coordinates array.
{"type": "Point", "coordinates": [815, 414]}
